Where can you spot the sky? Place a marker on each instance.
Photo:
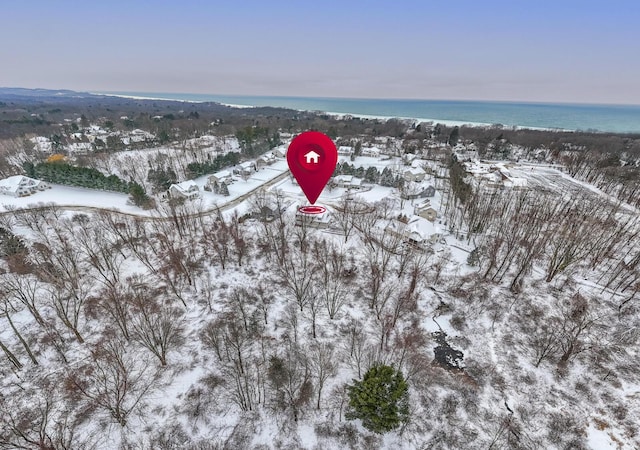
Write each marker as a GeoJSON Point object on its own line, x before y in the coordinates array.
{"type": "Point", "coordinates": [542, 51]}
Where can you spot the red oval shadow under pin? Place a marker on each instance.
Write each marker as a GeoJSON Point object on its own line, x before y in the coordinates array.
{"type": "Point", "coordinates": [312, 157]}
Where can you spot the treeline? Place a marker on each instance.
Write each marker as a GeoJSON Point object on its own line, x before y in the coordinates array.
{"type": "Point", "coordinates": [370, 174]}
{"type": "Point", "coordinates": [64, 173]}
{"type": "Point", "coordinates": [255, 140]}
{"type": "Point", "coordinates": [197, 169]}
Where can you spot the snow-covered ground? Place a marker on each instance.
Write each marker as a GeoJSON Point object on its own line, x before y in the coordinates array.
{"type": "Point", "coordinates": [500, 400]}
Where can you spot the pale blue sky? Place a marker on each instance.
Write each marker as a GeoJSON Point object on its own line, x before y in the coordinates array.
{"type": "Point", "coordinates": [557, 51]}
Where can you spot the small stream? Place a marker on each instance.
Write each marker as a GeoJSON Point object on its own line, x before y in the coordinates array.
{"type": "Point", "coordinates": [446, 357]}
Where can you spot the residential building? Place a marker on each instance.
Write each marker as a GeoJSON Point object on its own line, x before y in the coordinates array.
{"type": "Point", "coordinates": [224, 176]}
{"type": "Point", "coordinates": [21, 186]}
{"type": "Point", "coordinates": [414, 174]}
{"type": "Point", "coordinates": [426, 211]}
{"type": "Point", "coordinates": [245, 169]}
{"type": "Point", "coordinates": [347, 182]}
{"type": "Point", "coordinates": [265, 160]}
{"type": "Point", "coordinates": [187, 189]}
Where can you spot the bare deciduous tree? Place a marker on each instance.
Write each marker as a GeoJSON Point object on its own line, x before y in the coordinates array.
{"type": "Point", "coordinates": [116, 380]}
{"type": "Point", "coordinates": [323, 366]}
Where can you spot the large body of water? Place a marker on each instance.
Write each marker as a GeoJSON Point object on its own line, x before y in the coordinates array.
{"type": "Point", "coordinates": [603, 118]}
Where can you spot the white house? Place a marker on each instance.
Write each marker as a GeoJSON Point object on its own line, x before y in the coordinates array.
{"type": "Point", "coordinates": [21, 186]}
{"type": "Point", "coordinates": [245, 169]}
{"type": "Point", "coordinates": [79, 148]}
{"type": "Point", "coordinates": [222, 177]}
{"type": "Point", "coordinates": [371, 151]}
{"type": "Point", "coordinates": [413, 189]}
{"type": "Point", "coordinates": [417, 231]}
{"type": "Point", "coordinates": [426, 211]}
{"type": "Point", "coordinates": [347, 182]}
{"type": "Point", "coordinates": [321, 220]}
{"type": "Point", "coordinates": [414, 174]}
{"type": "Point", "coordinates": [265, 160]}
{"type": "Point", "coordinates": [280, 152]}
{"type": "Point", "coordinates": [42, 144]}
{"type": "Point", "coordinates": [187, 189]}
{"type": "Point", "coordinates": [345, 150]}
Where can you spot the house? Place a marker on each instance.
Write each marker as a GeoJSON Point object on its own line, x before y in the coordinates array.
{"type": "Point", "coordinates": [21, 186]}
{"type": "Point", "coordinates": [414, 174]}
{"type": "Point", "coordinates": [371, 151]}
{"type": "Point", "coordinates": [426, 211]}
{"type": "Point", "coordinates": [222, 177]}
{"type": "Point", "coordinates": [280, 152]}
{"type": "Point", "coordinates": [138, 135]}
{"type": "Point", "coordinates": [417, 231]}
{"type": "Point", "coordinates": [412, 190]}
{"type": "Point", "coordinates": [187, 190]}
{"type": "Point", "coordinates": [321, 220]}
{"type": "Point", "coordinates": [347, 182]}
{"type": "Point", "coordinates": [345, 150]}
{"type": "Point", "coordinates": [245, 169]}
{"type": "Point", "coordinates": [79, 148]}
{"type": "Point", "coordinates": [265, 160]}
{"type": "Point", "coordinates": [42, 144]}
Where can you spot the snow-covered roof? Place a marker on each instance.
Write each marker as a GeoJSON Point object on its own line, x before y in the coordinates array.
{"type": "Point", "coordinates": [79, 147]}
{"type": "Point", "coordinates": [13, 181]}
{"type": "Point", "coordinates": [187, 185]}
{"type": "Point", "coordinates": [247, 165]}
{"type": "Point", "coordinates": [267, 156]}
{"type": "Point", "coordinates": [415, 171]}
{"type": "Point", "coordinates": [222, 174]}
{"type": "Point", "coordinates": [371, 150]}
{"type": "Point", "coordinates": [420, 229]}
{"type": "Point", "coordinates": [426, 204]}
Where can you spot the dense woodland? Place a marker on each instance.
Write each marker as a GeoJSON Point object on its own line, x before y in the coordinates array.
{"type": "Point", "coordinates": [213, 331]}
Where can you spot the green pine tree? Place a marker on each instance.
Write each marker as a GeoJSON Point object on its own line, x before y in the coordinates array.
{"type": "Point", "coordinates": [380, 400]}
{"type": "Point", "coordinates": [138, 195]}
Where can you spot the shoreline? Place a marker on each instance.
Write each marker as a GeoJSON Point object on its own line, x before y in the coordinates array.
{"type": "Point", "coordinates": [445, 122]}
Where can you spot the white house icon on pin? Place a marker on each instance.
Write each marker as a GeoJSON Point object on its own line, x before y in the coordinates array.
{"type": "Point", "coordinates": [312, 157]}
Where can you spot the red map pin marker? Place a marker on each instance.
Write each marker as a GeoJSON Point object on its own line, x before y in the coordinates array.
{"type": "Point", "coordinates": [312, 158]}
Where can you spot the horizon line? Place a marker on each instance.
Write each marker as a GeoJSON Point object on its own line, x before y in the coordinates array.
{"type": "Point", "coordinates": [149, 95]}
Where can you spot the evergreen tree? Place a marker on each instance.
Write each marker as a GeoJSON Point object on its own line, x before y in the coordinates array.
{"type": "Point", "coordinates": [454, 136]}
{"type": "Point", "coordinates": [380, 400]}
{"type": "Point", "coordinates": [387, 178]}
{"type": "Point", "coordinates": [371, 175]}
{"type": "Point", "coordinates": [29, 169]}
{"type": "Point", "coordinates": [138, 196]}
{"type": "Point", "coordinates": [224, 190]}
